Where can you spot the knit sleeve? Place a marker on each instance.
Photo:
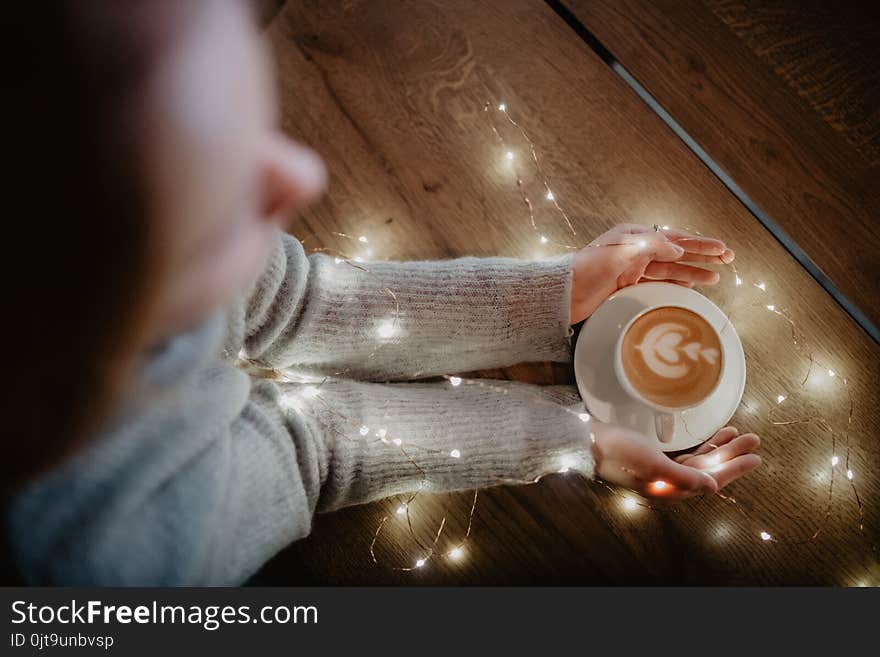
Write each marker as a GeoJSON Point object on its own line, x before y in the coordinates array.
{"type": "Point", "coordinates": [401, 320]}
{"type": "Point", "coordinates": [386, 439]}
{"type": "Point", "coordinates": [206, 487]}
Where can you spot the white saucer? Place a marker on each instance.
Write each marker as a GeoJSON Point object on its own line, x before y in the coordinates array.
{"type": "Point", "coordinates": [607, 401]}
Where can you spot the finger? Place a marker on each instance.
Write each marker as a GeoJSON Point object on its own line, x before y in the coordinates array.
{"type": "Point", "coordinates": [677, 271]}
{"type": "Point", "coordinates": [651, 245]}
{"type": "Point", "coordinates": [664, 472]}
{"type": "Point", "coordinates": [655, 280]}
{"type": "Point", "coordinates": [696, 243]}
{"type": "Point", "coordinates": [738, 467]}
{"type": "Point", "coordinates": [714, 462]}
{"type": "Point", "coordinates": [724, 259]}
{"type": "Point", "coordinates": [721, 437]}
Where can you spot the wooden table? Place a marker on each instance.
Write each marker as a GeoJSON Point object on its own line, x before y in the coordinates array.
{"type": "Point", "coordinates": [785, 96]}
{"type": "Point", "coordinates": [392, 94]}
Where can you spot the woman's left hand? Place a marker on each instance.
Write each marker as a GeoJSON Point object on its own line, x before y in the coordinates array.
{"type": "Point", "coordinates": [630, 253]}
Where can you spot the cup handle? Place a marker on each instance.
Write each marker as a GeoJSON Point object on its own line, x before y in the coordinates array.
{"type": "Point", "coordinates": [664, 424]}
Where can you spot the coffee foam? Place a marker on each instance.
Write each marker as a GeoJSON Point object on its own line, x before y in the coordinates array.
{"type": "Point", "coordinates": [672, 357]}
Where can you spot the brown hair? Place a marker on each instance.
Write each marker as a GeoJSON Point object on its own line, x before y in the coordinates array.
{"type": "Point", "coordinates": [94, 266]}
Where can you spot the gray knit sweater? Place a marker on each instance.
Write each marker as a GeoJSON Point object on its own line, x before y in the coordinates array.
{"type": "Point", "coordinates": [204, 473]}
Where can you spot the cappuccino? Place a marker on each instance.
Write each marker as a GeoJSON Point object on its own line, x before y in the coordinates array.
{"type": "Point", "coordinates": [671, 357]}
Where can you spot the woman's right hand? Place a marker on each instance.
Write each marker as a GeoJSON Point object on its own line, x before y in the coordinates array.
{"type": "Point", "coordinates": [629, 459]}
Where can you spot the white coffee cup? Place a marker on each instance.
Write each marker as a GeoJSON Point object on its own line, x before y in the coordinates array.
{"type": "Point", "coordinates": [665, 417]}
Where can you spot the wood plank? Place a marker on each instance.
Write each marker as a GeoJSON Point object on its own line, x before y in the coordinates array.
{"type": "Point", "coordinates": [761, 92]}
{"type": "Point", "coordinates": [392, 94]}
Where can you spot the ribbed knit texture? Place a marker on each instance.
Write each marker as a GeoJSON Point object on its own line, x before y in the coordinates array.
{"type": "Point", "coordinates": [204, 474]}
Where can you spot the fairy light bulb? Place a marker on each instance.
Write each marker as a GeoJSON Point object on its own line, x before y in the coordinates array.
{"type": "Point", "coordinates": [771, 307]}
{"type": "Point", "coordinates": [584, 417]}
{"type": "Point", "coordinates": [834, 460]}
{"type": "Point", "coordinates": [358, 259]}
{"type": "Point", "coordinates": [420, 563]}
{"type": "Point", "coordinates": [337, 260]}
{"type": "Point", "coordinates": [567, 463]}
{"type": "Point", "coordinates": [629, 504]}
{"type": "Point", "coordinates": [849, 475]}
{"type": "Point", "coordinates": [715, 459]}
{"type": "Point", "coordinates": [381, 433]}
{"type": "Point", "coordinates": [739, 281]}
{"type": "Point", "coordinates": [502, 107]}
{"type": "Point", "coordinates": [455, 454]}
{"type": "Point", "coordinates": [780, 399]}
{"type": "Point", "coordinates": [386, 329]}
{"type": "Point", "coordinates": [544, 239]}
{"type": "Point", "coordinates": [641, 244]}
{"type": "Point", "coordinates": [765, 536]}
{"type": "Point", "coordinates": [401, 510]}
{"type": "Point", "coordinates": [364, 430]}
{"type": "Point", "coordinates": [509, 156]}
{"type": "Point", "coordinates": [550, 196]}
{"type": "Point", "coordinates": [761, 286]}
{"type": "Point", "coordinates": [362, 239]}
{"type": "Point", "coordinates": [397, 441]}
{"type": "Point", "coordinates": [831, 373]}
{"type": "Point", "coordinates": [455, 380]}
{"type": "Point", "coordinates": [455, 553]}
{"type": "Point", "coordinates": [665, 227]}
{"type": "Point", "coordinates": [658, 486]}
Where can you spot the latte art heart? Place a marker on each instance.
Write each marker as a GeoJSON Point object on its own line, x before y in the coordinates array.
{"type": "Point", "coordinates": [672, 356]}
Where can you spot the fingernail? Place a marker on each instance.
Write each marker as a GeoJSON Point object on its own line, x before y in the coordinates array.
{"type": "Point", "coordinates": [727, 257]}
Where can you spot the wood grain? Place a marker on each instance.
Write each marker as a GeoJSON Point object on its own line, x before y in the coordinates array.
{"type": "Point", "coordinates": [783, 95]}
{"type": "Point", "coordinates": [392, 94]}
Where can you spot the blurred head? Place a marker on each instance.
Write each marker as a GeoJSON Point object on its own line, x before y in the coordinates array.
{"type": "Point", "coordinates": [168, 177]}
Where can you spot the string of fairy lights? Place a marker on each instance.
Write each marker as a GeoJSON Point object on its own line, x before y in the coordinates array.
{"type": "Point", "coordinates": [840, 459]}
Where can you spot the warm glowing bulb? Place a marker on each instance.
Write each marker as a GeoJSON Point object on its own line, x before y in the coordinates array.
{"type": "Point", "coordinates": [715, 459]}
{"type": "Point", "coordinates": [502, 107]}
{"type": "Point", "coordinates": [834, 460]}
{"type": "Point", "coordinates": [386, 329]}
{"type": "Point", "coordinates": [567, 463]}
{"type": "Point", "coordinates": [849, 474]}
{"type": "Point", "coordinates": [780, 399]}
{"type": "Point", "coordinates": [550, 196]}
{"type": "Point", "coordinates": [584, 417]}
{"type": "Point", "coordinates": [455, 454]}
{"type": "Point", "coordinates": [629, 504]}
{"type": "Point", "coordinates": [641, 244]}
{"type": "Point", "coordinates": [544, 239]}
{"type": "Point", "coordinates": [397, 441]}
{"type": "Point", "coordinates": [358, 259]}
{"type": "Point", "coordinates": [364, 430]}
{"type": "Point", "coordinates": [456, 553]}
{"type": "Point", "coordinates": [761, 286]}
{"type": "Point", "coordinates": [658, 486]}
{"type": "Point", "coordinates": [831, 373]}
{"type": "Point", "coordinates": [739, 281]}
{"type": "Point", "coordinates": [420, 563]}
{"type": "Point", "coordinates": [401, 510]}
{"type": "Point", "coordinates": [771, 307]}
{"type": "Point", "coordinates": [382, 432]}
{"type": "Point", "coordinates": [362, 239]}
{"type": "Point", "coordinates": [665, 227]}
{"type": "Point", "coordinates": [455, 380]}
{"type": "Point", "coordinates": [509, 155]}
{"type": "Point", "coordinates": [765, 536]}
{"type": "Point", "coordinates": [337, 260]}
